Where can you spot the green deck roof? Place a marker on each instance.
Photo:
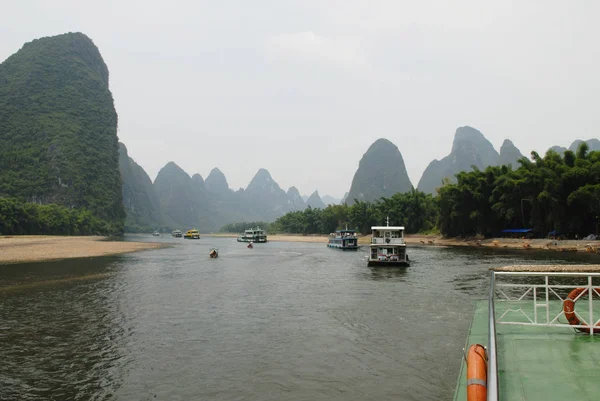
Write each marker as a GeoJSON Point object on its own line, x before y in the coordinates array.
{"type": "Point", "coordinates": [538, 363]}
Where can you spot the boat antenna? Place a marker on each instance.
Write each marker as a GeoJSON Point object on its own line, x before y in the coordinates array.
{"type": "Point", "coordinates": [388, 220]}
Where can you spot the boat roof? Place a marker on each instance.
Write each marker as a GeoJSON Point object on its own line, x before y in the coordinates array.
{"type": "Point", "coordinates": [345, 231]}
{"type": "Point", "coordinates": [389, 228]}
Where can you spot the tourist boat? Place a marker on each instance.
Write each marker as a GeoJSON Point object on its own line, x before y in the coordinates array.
{"type": "Point", "coordinates": [387, 246]}
{"type": "Point", "coordinates": [177, 234]}
{"type": "Point", "coordinates": [253, 235]}
{"type": "Point", "coordinates": [343, 239]}
{"type": "Point", "coordinates": [213, 253]}
{"type": "Point", "coordinates": [538, 328]}
{"type": "Point", "coordinates": [192, 234]}
{"type": "Point", "coordinates": [156, 233]}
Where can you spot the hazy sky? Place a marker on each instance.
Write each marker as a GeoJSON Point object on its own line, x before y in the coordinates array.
{"type": "Point", "coordinates": [302, 88]}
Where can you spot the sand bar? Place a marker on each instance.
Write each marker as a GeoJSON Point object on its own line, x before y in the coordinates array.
{"type": "Point", "coordinates": [37, 248]}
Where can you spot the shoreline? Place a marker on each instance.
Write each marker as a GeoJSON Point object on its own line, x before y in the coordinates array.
{"type": "Point", "coordinates": [437, 240]}
{"type": "Point", "coordinates": [44, 248]}
{"type": "Point", "coordinates": [16, 249]}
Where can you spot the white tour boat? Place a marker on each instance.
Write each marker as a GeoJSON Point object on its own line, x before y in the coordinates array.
{"type": "Point", "coordinates": [387, 246]}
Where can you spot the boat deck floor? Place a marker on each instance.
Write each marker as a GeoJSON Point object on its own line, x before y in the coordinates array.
{"type": "Point", "coordinates": [538, 363]}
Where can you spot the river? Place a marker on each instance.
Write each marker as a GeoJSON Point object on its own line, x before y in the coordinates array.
{"type": "Point", "coordinates": [282, 321]}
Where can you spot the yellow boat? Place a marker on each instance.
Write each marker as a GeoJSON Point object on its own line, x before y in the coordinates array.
{"type": "Point", "coordinates": [192, 234]}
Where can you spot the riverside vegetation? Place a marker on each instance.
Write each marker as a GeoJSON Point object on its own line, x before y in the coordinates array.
{"type": "Point", "coordinates": [547, 193]}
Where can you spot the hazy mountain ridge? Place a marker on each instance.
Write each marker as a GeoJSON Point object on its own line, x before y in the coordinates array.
{"type": "Point", "coordinates": [330, 200]}
{"type": "Point", "coordinates": [381, 173]}
{"type": "Point", "coordinates": [509, 154]}
{"type": "Point", "coordinates": [469, 148]}
{"type": "Point", "coordinates": [315, 201]}
{"type": "Point", "coordinates": [141, 203]}
{"type": "Point", "coordinates": [216, 182]}
{"type": "Point", "coordinates": [58, 128]}
{"type": "Point", "coordinates": [295, 200]}
{"type": "Point", "coordinates": [182, 201]}
{"type": "Point", "coordinates": [593, 144]}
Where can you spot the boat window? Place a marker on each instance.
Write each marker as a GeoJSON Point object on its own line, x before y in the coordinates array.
{"type": "Point", "coordinates": [387, 234]}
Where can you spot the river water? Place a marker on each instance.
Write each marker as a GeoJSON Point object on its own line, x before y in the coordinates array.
{"type": "Point", "coordinates": [282, 321]}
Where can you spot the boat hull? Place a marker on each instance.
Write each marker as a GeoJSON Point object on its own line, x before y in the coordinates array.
{"type": "Point", "coordinates": [240, 239]}
{"type": "Point", "coordinates": [343, 248]}
{"type": "Point", "coordinates": [385, 263]}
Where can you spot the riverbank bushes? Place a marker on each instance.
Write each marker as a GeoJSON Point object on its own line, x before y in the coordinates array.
{"type": "Point", "coordinates": [18, 218]}
{"type": "Point", "coordinates": [555, 193]}
{"type": "Point", "coordinates": [415, 210]}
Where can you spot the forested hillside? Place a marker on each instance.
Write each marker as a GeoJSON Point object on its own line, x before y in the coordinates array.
{"type": "Point", "coordinates": [58, 129]}
{"type": "Point", "coordinates": [547, 193]}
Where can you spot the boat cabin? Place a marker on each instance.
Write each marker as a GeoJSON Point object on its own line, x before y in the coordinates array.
{"type": "Point", "coordinates": [388, 246]}
{"type": "Point", "coordinates": [343, 239]}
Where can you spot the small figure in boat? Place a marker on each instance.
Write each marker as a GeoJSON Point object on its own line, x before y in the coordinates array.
{"type": "Point", "coordinates": [214, 253]}
{"type": "Point", "coordinates": [250, 245]}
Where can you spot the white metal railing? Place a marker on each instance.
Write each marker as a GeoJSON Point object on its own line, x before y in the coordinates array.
{"type": "Point", "coordinates": [492, 368]}
{"type": "Point", "coordinates": [383, 241]}
{"type": "Point", "coordinates": [520, 294]}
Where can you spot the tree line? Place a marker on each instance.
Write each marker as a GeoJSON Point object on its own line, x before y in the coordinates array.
{"type": "Point", "coordinates": [19, 218]}
{"type": "Point", "coordinates": [415, 210]}
{"type": "Point", "coordinates": [546, 194]}
{"type": "Point", "coordinates": [554, 193]}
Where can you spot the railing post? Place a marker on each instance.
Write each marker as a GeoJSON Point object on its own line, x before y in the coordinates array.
{"type": "Point", "coordinates": [547, 300]}
{"type": "Point", "coordinates": [492, 371]}
{"type": "Point", "coordinates": [591, 294]}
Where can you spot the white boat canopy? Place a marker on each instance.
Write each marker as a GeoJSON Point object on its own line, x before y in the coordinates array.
{"type": "Point", "coordinates": [388, 228]}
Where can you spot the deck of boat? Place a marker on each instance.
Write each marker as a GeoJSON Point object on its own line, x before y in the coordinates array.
{"type": "Point", "coordinates": [538, 363]}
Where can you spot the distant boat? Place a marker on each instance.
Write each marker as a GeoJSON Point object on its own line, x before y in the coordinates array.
{"type": "Point", "coordinates": [253, 235]}
{"type": "Point", "coordinates": [177, 234]}
{"type": "Point", "coordinates": [156, 233]}
{"type": "Point", "coordinates": [343, 239]}
{"type": "Point", "coordinates": [387, 246]}
{"type": "Point", "coordinates": [192, 234]}
{"type": "Point", "coordinates": [214, 253]}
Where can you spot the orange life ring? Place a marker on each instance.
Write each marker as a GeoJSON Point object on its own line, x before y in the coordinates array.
{"type": "Point", "coordinates": [569, 309]}
{"type": "Point", "coordinates": [476, 373]}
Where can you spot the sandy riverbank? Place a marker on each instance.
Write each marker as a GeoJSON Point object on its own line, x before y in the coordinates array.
{"type": "Point", "coordinates": [37, 248]}
{"type": "Point", "coordinates": [436, 240]}
{"type": "Point", "coordinates": [510, 243]}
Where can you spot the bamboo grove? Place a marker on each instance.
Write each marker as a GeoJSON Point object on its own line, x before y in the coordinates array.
{"type": "Point", "coordinates": [552, 193]}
